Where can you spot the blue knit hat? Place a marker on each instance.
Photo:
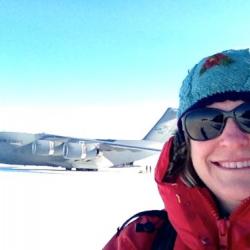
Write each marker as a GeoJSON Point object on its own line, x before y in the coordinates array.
{"type": "Point", "coordinates": [223, 76]}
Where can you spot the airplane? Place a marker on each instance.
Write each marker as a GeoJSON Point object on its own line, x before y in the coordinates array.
{"type": "Point", "coordinates": [83, 154]}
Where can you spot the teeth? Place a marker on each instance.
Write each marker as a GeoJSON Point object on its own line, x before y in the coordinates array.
{"type": "Point", "coordinates": [237, 164]}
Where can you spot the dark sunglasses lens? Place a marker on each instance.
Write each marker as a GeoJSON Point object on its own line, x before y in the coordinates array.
{"type": "Point", "coordinates": [242, 114]}
{"type": "Point", "coordinates": [204, 124]}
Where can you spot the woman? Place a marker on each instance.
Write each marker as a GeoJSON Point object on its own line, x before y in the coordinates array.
{"type": "Point", "coordinates": [203, 173]}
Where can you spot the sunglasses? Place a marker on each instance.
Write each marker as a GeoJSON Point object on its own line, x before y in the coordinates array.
{"type": "Point", "coordinates": [208, 123]}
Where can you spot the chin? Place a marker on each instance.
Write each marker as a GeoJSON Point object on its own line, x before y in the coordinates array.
{"type": "Point", "coordinates": [237, 196]}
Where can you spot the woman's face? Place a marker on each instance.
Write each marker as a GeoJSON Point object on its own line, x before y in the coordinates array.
{"type": "Point", "coordinates": [217, 161]}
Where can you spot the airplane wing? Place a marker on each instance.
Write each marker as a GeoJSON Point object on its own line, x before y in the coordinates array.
{"type": "Point", "coordinates": [83, 151]}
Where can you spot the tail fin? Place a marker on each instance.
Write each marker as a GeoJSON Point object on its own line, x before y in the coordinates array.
{"type": "Point", "coordinates": [164, 128]}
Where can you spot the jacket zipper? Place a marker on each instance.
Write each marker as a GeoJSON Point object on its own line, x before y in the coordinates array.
{"type": "Point", "coordinates": [222, 224]}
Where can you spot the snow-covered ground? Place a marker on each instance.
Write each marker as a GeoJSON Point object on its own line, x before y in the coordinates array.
{"type": "Point", "coordinates": [55, 209]}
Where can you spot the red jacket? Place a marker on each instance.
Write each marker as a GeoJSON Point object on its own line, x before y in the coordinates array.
{"type": "Point", "coordinates": [193, 213]}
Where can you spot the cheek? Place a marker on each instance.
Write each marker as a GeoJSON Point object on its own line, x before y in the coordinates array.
{"type": "Point", "coordinates": [200, 152]}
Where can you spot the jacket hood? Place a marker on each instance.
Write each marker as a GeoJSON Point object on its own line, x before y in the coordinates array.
{"type": "Point", "coordinates": [180, 202]}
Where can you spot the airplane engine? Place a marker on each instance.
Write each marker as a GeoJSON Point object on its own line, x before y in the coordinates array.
{"type": "Point", "coordinates": [59, 149]}
{"type": "Point", "coordinates": [92, 151]}
{"type": "Point", "coordinates": [43, 147]}
{"type": "Point", "coordinates": [74, 150]}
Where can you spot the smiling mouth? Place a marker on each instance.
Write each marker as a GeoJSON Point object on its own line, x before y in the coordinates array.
{"type": "Point", "coordinates": [233, 164]}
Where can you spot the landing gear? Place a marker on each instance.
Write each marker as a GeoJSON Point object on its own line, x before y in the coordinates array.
{"type": "Point", "coordinates": [86, 169]}
{"type": "Point", "coordinates": [80, 169]}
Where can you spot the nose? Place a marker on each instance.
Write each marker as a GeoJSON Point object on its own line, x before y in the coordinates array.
{"type": "Point", "coordinates": [232, 135]}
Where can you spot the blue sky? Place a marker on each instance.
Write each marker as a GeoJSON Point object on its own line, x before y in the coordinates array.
{"type": "Point", "coordinates": [85, 53]}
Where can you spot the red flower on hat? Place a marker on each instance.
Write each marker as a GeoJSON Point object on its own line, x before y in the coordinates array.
{"type": "Point", "coordinates": [217, 59]}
